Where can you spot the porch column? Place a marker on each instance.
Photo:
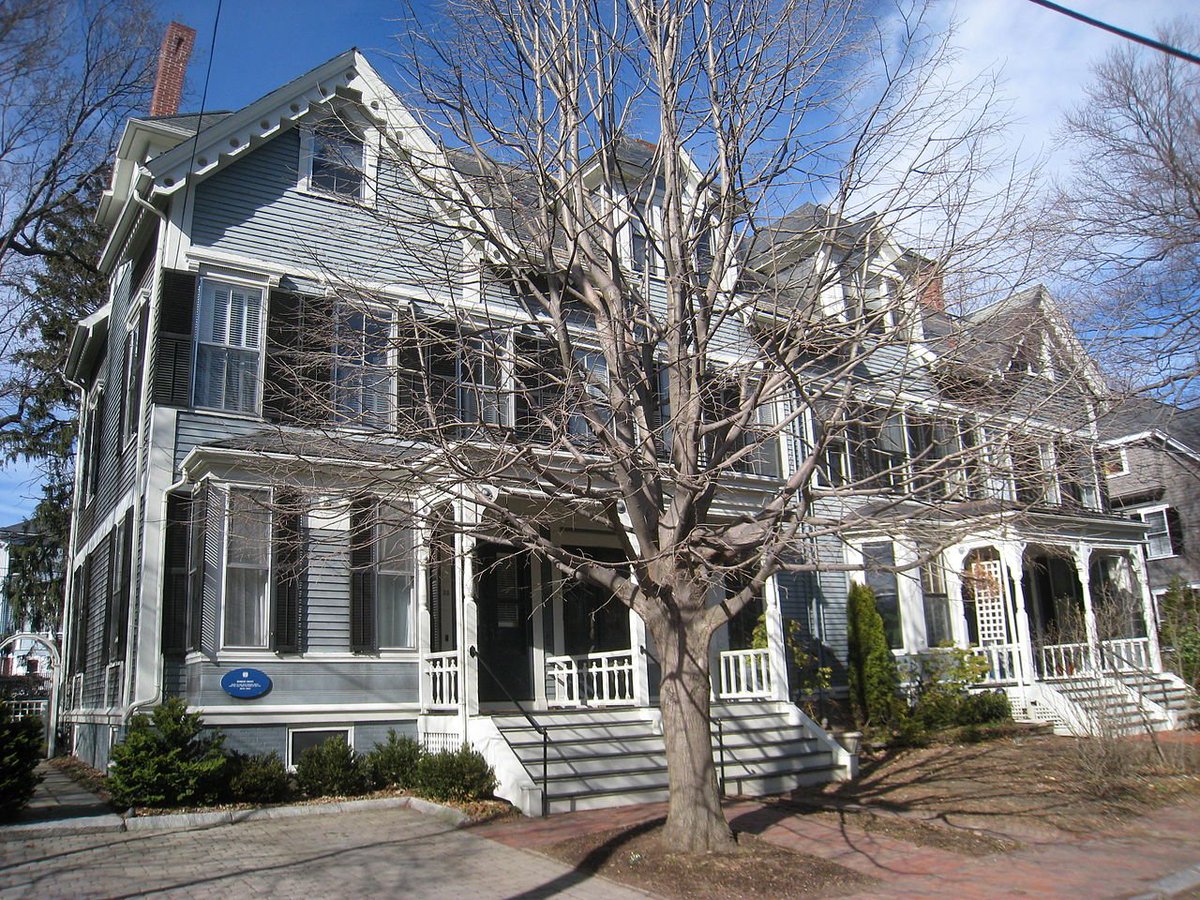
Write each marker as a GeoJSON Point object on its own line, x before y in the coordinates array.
{"type": "Point", "coordinates": [1012, 555]}
{"type": "Point", "coordinates": [1137, 566]}
{"type": "Point", "coordinates": [954, 558]}
{"type": "Point", "coordinates": [777, 649]}
{"type": "Point", "coordinates": [424, 536]}
{"type": "Point", "coordinates": [641, 660]}
{"type": "Point", "coordinates": [1083, 571]}
{"type": "Point", "coordinates": [468, 621]}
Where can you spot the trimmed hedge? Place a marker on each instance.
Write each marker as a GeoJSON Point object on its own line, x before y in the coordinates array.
{"type": "Point", "coordinates": [331, 769]}
{"type": "Point", "coordinates": [258, 779]}
{"type": "Point", "coordinates": [394, 762]}
{"type": "Point", "coordinates": [455, 775]}
{"type": "Point", "coordinates": [168, 759]}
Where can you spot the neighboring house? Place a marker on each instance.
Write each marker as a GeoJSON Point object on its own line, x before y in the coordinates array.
{"type": "Point", "coordinates": [1152, 467]}
{"type": "Point", "coordinates": [24, 656]}
{"type": "Point", "coordinates": [221, 534]}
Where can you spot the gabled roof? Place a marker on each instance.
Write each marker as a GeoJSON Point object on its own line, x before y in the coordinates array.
{"type": "Point", "coordinates": [1141, 419]}
{"type": "Point", "coordinates": [86, 344]}
{"type": "Point", "coordinates": [225, 137]}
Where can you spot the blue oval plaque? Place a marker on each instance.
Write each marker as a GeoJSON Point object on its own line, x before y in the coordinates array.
{"type": "Point", "coordinates": [245, 684]}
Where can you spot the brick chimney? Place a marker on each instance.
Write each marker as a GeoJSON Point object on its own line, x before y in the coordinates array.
{"type": "Point", "coordinates": [173, 58]}
{"type": "Point", "coordinates": [930, 286]}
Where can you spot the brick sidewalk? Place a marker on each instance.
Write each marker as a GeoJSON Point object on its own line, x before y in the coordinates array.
{"type": "Point", "coordinates": [1126, 861]}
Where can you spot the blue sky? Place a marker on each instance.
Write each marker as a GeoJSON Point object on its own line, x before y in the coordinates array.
{"type": "Point", "coordinates": [1043, 58]}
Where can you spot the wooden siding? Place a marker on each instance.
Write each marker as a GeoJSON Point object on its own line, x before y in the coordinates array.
{"type": "Point", "coordinates": [328, 599]}
{"type": "Point", "coordinates": [310, 682]}
{"type": "Point", "coordinates": [254, 208]}
{"type": "Point", "coordinates": [194, 430]}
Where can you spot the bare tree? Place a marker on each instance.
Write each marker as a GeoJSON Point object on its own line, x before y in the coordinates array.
{"type": "Point", "coordinates": [661, 338]}
{"type": "Point", "coordinates": [1136, 197]}
{"type": "Point", "coordinates": [70, 75]}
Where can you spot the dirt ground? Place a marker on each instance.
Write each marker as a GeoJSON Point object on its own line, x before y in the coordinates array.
{"type": "Point", "coordinates": [971, 800]}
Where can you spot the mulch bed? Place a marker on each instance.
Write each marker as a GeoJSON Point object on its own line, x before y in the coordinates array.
{"type": "Point", "coordinates": [756, 869]}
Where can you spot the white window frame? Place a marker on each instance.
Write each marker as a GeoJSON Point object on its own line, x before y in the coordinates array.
{"type": "Point", "coordinates": [384, 519]}
{"type": "Point", "coordinates": [1161, 509]}
{"type": "Point", "coordinates": [484, 352]}
{"type": "Point", "coordinates": [348, 729]}
{"type": "Point", "coordinates": [133, 328]}
{"type": "Point", "coordinates": [226, 517]}
{"type": "Point", "coordinates": [242, 282]}
{"type": "Point", "coordinates": [381, 314]}
{"type": "Point", "coordinates": [370, 163]}
{"type": "Point", "coordinates": [1122, 457]}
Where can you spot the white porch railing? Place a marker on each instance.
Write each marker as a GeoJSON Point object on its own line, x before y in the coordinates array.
{"type": "Point", "coordinates": [1118, 655]}
{"type": "Point", "coordinates": [1001, 660]}
{"type": "Point", "coordinates": [1064, 660]}
{"type": "Point", "coordinates": [745, 675]}
{"type": "Point", "coordinates": [1127, 655]}
{"type": "Point", "coordinates": [597, 679]}
{"type": "Point", "coordinates": [441, 679]}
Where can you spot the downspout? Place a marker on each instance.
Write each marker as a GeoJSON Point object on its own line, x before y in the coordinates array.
{"type": "Point", "coordinates": [68, 588]}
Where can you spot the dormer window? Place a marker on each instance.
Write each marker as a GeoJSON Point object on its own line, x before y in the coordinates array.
{"type": "Point", "coordinates": [334, 161]}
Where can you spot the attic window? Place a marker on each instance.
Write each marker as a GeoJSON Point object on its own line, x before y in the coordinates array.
{"type": "Point", "coordinates": [334, 162]}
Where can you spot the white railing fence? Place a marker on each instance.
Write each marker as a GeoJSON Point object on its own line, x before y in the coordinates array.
{"type": "Point", "coordinates": [595, 679]}
{"type": "Point", "coordinates": [441, 680]}
{"type": "Point", "coordinates": [1116, 655]}
{"type": "Point", "coordinates": [1001, 660]}
{"type": "Point", "coordinates": [745, 675]}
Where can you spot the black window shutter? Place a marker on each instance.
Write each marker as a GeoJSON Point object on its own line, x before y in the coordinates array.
{"type": "Point", "coordinates": [287, 576]}
{"type": "Point", "coordinates": [173, 344]}
{"type": "Point", "coordinates": [362, 576]}
{"type": "Point", "coordinates": [175, 582]}
{"type": "Point", "coordinates": [110, 599]}
{"type": "Point", "coordinates": [197, 513]}
{"type": "Point", "coordinates": [281, 369]}
{"type": "Point", "coordinates": [1175, 527]}
{"type": "Point", "coordinates": [121, 633]}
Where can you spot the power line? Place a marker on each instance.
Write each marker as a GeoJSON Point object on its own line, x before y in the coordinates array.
{"type": "Point", "coordinates": [1113, 29]}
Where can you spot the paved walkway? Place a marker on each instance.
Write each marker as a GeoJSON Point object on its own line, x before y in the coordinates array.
{"type": "Point", "coordinates": [387, 853]}
{"type": "Point", "coordinates": [1154, 856]}
{"type": "Point", "coordinates": [59, 798]}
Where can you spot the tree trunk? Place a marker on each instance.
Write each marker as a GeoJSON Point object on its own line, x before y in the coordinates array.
{"type": "Point", "coordinates": [695, 820]}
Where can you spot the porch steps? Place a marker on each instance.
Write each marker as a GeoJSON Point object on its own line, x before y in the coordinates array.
{"type": "Point", "coordinates": [1168, 691]}
{"type": "Point", "coordinates": [1109, 705]}
{"type": "Point", "coordinates": [616, 757]}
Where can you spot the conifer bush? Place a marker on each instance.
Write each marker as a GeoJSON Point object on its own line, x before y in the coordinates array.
{"type": "Point", "coordinates": [874, 679]}
{"type": "Point", "coordinates": [394, 762]}
{"type": "Point", "coordinates": [455, 775]}
{"type": "Point", "coordinates": [168, 759]}
{"type": "Point", "coordinates": [20, 752]}
{"type": "Point", "coordinates": [331, 769]}
{"type": "Point", "coordinates": [257, 779]}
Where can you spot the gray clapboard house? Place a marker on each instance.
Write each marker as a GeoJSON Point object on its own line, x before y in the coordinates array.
{"type": "Point", "coordinates": [218, 530]}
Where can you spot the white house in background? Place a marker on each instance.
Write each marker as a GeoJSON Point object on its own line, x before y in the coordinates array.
{"type": "Point", "coordinates": [224, 551]}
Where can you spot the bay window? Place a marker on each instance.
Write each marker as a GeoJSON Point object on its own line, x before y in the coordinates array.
{"type": "Point", "coordinates": [364, 383]}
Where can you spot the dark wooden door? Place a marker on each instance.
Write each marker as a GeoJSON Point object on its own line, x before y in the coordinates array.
{"type": "Point", "coordinates": [503, 594]}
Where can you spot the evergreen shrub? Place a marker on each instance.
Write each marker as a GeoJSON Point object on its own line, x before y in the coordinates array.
{"type": "Point", "coordinates": [394, 762]}
{"type": "Point", "coordinates": [874, 679]}
{"type": "Point", "coordinates": [455, 775]}
{"type": "Point", "coordinates": [167, 759]}
{"type": "Point", "coordinates": [20, 752]}
{"type": "Point", "coordinates": [331, 769]}
{"type": "Point", "coordinates": [257, 779]}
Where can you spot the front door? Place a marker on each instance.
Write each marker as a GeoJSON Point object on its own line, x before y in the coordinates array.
{"type": "Point", "coordinates": [503, 594]}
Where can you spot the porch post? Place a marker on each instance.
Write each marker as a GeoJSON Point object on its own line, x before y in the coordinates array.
{"type": "Point", "coordinates": [1083, 571]}
{"type": "Point", "coordinates": [641, 668]}
{"type": "Point", "coordinates": [1012, 555]}
{"type": "Point", "coordinates": [954, 558]}
{"type": "Point", "coordinates": [464, 565]}
{"type": "Point", "coordinates": [423, 534]}
{"type": "Point", "coordinates": [777, 649]}
{"type": "Point", "coordinates": [1137, 565]}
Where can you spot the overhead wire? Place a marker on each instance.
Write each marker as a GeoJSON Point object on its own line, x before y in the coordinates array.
{"type": "Point", "coordinates": [1120, 32]}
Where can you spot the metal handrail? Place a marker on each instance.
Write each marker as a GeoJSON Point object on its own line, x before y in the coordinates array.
{"type": "Point", "coordinates": [540, 729]}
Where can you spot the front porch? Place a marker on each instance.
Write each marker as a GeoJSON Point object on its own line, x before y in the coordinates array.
{"type": "Point", "coordinates": [1068, 632]}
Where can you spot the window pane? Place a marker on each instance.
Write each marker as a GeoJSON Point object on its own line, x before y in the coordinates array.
{"type": "Point", "coordinates": [227, 355]}
{"type": "Point", "coordinates": [247, 561]}
{"type": "Point", "coordinates": [887, 596]}
{"type": "Point", "coordinates": [364, 384]}
{"type": "Point", "coordinates": [337, 164]}
{"type": "Point", "coordinates": [395, 610]}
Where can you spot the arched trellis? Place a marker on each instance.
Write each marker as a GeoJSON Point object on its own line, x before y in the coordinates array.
{"type": "Point", "coordinates": [55, 662]}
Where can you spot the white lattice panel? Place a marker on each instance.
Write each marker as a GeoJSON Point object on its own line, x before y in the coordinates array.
{"type": "Point", "coordinates": [989, 601]}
